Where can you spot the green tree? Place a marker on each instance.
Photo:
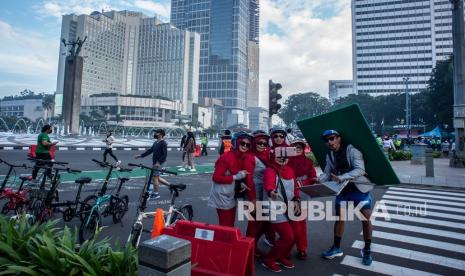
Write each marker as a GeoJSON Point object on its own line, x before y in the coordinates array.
{"type": "Point", "coordinates": [439, 96]}
{"type": "Point", "coordinates": [303, 105]}
{"type": "Point", "coordinates": [48, 103]}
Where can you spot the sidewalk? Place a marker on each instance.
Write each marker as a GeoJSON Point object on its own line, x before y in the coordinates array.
{"type": "Point", "coordinates": [443, 174]}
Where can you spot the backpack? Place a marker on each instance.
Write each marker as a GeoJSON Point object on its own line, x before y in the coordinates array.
{"type": "Point", "coordinates": [227, 144]}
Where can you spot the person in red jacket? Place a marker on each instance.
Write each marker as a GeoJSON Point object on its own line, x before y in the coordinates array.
{"type": "Point", "coordinates": [280, 184]}
{"type": "Point", "coordinates": [261, 151]}
{"type": "Point", "coordinates": [278, 137]}
{"type": "Point", "coordinates": [306, 175]}
{"type": "Point", "coordinates": [233, 172]}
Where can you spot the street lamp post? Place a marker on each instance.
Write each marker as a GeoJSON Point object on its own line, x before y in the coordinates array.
{"type": "Point", "coordinates": [408, 112]}
{"type": "Point", "coordinates": [203, 120]}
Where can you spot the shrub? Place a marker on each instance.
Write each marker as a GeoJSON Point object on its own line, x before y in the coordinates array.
{"type": "Point", "coordinates": [47, 250]}
{"type": "Point", "coordinates": [401, 155]}
{"type": "Point", "coordinates": [436, 154]}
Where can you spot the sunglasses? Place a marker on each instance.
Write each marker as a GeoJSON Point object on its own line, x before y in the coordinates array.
{"type": "Point", "coordinates": [244, 144]}
{"type": "Point", "coordinates": [264, 144]}
{"type": "Point", "coordinates": [278, 136]}
{"type": "Point", "coordinates": [331, 138]}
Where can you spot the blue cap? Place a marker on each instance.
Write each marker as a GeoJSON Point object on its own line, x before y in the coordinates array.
{"type": "Point", "coordinates": [329, 132]}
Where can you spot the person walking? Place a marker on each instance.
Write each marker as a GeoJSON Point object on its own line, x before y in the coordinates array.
{"type": "Point", "coordinates": [204, 143]}
{"type": "Point", "coordinates": [159, 151]}
{"type": "Point", "coordinates": [345, 162]}
{"type": "Point", "coordinates": [181, 147]}
{"type": "Point", "coordinates": [305, 174]}
{"type": "Point", "coordinates": [233, 174]}
{"type": "Point", "coordinates": [43, 151]}
{"type": "Point", "coordinates": [109, 140]}
{"type": "Point", "coordinates": [189, 149]}
{"type": "Point", "coordinates": [280, 185]}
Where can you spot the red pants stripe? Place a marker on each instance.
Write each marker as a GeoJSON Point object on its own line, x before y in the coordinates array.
{"type": "Point", "coordinates": [226, 217]}
{"type": "Point", "coordinates": [283, 246]}
{"type": "Point", "coordinates": [300, 230]}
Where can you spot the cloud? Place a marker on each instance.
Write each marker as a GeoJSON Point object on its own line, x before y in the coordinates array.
{"type": "Point", "coordinates": [161, 9]}
{"type": "Point", "coordinates": [314, 45]}
{"type": "Point", "coordinates": [55, 8]}
{"type": "Point", "coordinates": [26, 53]}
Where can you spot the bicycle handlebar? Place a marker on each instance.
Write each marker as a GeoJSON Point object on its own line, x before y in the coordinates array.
{"type": "Point", "coordinates": [12, 165]}
{"type": "Point", "coordinates": [48, 161]}
{"type": "Point", "coordinates": [142, 166]}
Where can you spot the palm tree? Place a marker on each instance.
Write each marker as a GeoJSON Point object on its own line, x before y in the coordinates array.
{"type": "Point", "coordinates": [48, 103]}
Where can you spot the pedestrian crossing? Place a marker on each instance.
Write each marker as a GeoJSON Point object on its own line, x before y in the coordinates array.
{"type": "Point", "coordinates": [415, 232]}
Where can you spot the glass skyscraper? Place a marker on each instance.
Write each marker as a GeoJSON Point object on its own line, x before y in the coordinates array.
{"type": "Point", "coordinates": [224, 34]}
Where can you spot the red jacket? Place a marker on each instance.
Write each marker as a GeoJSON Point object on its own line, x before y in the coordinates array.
{"type": "Point", "coordinates": [303, 166]}
{"type": "Point", "coordinates": [285, 171]}
{"type": "Point", "coordinates": [233, 162]}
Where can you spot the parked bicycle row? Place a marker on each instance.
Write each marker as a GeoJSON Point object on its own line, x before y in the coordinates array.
{"type": "Point", "coordinates": [39, 199]}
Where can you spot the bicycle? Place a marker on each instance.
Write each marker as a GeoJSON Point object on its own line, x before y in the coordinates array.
{"type": "Point", "coordinates": [42, 204]}
{"type": "Point", "coordinates": [117, 205]}
{"type": "Point", "coordinates": [173, 214]}
{"type": "Point", "coordinates": [16, 200]}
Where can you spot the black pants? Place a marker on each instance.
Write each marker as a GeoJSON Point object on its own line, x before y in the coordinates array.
{"type": "Point", "coordinates": [43, 156]}
{"type": "Point", "coordinates": [204, 150]}
{"type": "Point", "coordinates": [108, 151]}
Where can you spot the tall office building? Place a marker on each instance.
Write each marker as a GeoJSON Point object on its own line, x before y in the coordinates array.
{"type": "Point", "coordinates": [127, 53]}
{"type": "Point", "coordinates": [224, 34]}
{"type": "Point", "coordinates": [394, 41]}
{"type": "Point", "coordinates": [339, 89]}
{"type": "Point", "coordinates": [253, 50]}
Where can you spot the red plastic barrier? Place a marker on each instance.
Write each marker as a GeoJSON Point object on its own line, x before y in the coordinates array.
{"type": "Point", "coordinates": [32, 151]}
{"type": "Point", "coordinates": [216, 250]}
{"type": "Point", "coordinates": [197, 151]}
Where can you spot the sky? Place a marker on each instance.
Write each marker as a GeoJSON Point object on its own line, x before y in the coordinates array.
{"type": "Point", "coordinates": [303, 43]}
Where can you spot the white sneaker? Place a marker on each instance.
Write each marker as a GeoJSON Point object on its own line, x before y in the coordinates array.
{"type": "Point", "coordinates": [192, 170]}
{"type": "Point", "coordinates": [118, 163]}
{"type": "Point", "coordinates": [182, 169]}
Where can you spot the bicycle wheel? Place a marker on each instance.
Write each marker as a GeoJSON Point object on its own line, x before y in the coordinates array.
{"type": "Point", "coordinates": [136, 233]}
{"type": "Point", "coordinates": [86, 206]}
{"type": "Point", "coordinates": [37, 208]}
{"type": "Point", "coordinates": [6, 208]}
{"type": "Point", "coordinates": [119, 208]}
{"type": "Point", "coordinates": [186, 212]}
{"type": "Point", "coordinates": [89, 226]}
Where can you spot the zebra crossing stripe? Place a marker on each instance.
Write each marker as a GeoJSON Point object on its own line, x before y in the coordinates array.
{"type": "Point", "coordinates": [419, 206]}
{"type": "Point", "coordinates": [413, 255]}
{"type": "Point", "coordinates": [420, 241]}
{"type": "Point", "coordinates": [425, 195]}
{"type": "Point", "coordinates": [440, 202]}
{"type": "Point", "coordinates": [457, 194]}
{"type": "Point", "coordinates": [423, 212]}
{"type": "Point", "coordinates": [423, 220]}
{"type": "Point", "coordinates": [419, 229]}
{"type": "Point", "coordinates": [383, 268]}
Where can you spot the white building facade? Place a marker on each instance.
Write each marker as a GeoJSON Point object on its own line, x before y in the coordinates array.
{"type": "Point", "coordinates": [396, 42]}
{"type": "Point", "coordinates": [127, 53]}
{"type": "Point", "coordinates": [28, 108]}
{"type": "Point", "coordinates": [339, 89]}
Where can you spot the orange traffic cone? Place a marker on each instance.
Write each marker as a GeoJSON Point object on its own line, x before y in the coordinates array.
{"type": "Point", "coordinates": [158, 223]}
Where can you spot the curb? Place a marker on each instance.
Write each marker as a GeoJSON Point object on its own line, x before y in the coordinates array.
{"type": "Point", "coordinates": [93, 148]}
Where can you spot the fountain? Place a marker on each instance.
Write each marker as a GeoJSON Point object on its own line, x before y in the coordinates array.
{"type": "Point", "coordinates": [38, 124]}
{"type": "Point", "coordinates": [17, 124]}
{"type": "Point", "coordinates": [5, 125]}
{"type": "Point", "coordinates": [100, 126]}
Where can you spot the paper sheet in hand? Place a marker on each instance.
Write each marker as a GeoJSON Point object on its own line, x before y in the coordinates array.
{"type": "Point", "coordinates": [331, 188]}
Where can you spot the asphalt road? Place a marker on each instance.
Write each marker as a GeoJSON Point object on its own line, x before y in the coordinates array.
{"type": "Point", "coordinates": [428, 237]}
{"type": "Point", "coordinates": [81, 160]}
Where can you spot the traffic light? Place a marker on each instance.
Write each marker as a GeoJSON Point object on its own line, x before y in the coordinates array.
{"type": "Point", "coordinates": [274, 97]}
